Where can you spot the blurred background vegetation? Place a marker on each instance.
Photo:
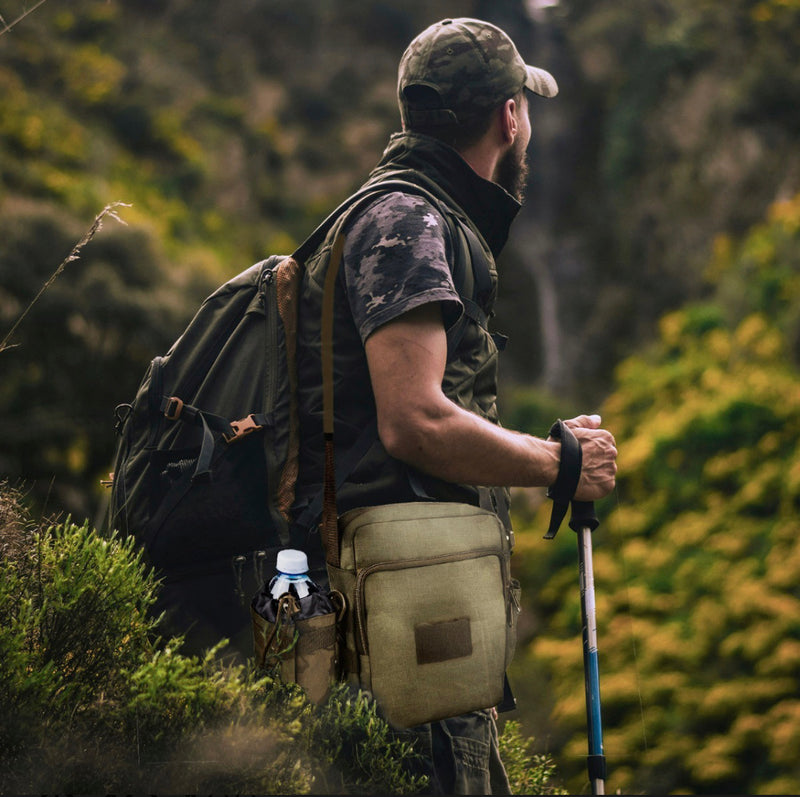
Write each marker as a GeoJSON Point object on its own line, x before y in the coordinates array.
{"type": "Point", "coordinates": [653, 275]}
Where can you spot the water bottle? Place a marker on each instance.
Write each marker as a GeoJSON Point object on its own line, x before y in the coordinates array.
{"type": "Point", "coordinates": [292, 575]}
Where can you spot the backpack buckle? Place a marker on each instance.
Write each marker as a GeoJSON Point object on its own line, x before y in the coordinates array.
{"type": "Point", "coordinates": [242, 428]}
{"type": "Point", "coordinates": [173, 408]}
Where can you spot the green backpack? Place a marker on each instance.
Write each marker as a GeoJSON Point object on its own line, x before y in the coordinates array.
{"type": "Point", "coordinates": [206, 464]}
{"type": "Point", "coordinates": [204, 470]}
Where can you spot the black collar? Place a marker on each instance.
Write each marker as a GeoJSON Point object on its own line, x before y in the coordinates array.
{"type": "Point", "coordinates": [490, 207]}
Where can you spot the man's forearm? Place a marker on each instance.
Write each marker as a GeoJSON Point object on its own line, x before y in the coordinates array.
{"type": "Point", "coordinates": [419, 425]}
{"type": "Point", "coordinates": [458, 446]}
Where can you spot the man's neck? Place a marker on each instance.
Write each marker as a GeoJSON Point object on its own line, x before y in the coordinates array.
{"type": "Point", "coordinates": [482, 158]}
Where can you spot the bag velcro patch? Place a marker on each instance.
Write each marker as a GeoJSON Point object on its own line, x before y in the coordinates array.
{"type": "Point", "coordinates": [449, 639]}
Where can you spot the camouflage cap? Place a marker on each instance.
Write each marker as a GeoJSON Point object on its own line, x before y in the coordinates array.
{"type": "Point", "coordinates": [463, 66]}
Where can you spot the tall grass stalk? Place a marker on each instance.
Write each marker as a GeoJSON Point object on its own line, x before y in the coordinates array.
{"type": "Point", "coordinates": [75, 253]}
{"type": "Point", "coordinates": [8, 25]}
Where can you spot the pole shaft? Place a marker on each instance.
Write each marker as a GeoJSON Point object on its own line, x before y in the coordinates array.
{"type": "Point", "coordinates": [590, 661]}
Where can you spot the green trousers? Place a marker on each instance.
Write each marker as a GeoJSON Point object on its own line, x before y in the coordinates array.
{"type": "Point", "coordinates": [460, 755]}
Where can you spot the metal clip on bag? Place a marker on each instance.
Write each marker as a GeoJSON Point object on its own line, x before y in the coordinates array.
{"type": "Point", "coordinates": [431, 609]}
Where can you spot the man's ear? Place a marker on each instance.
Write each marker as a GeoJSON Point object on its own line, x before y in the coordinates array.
{"type": "Point", "coordinates": [509, 125]}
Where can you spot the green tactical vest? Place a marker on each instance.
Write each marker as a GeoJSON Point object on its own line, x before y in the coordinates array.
{"type": "Point", "coordinates": [470, 378]}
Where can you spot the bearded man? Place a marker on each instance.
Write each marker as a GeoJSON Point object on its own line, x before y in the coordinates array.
{"type": "Point", "coordinates": [415, 365]}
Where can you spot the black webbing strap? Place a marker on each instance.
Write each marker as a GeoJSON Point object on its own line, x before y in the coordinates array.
{"type": "Point", "coordinates": [174, 409]}
{"type": "Point", "coordinates": [569, 474]}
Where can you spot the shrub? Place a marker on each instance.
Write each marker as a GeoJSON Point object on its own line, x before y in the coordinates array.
{"type": "Point", "coordinates": [92, 700]}
{"type": "Point", "coordinates": [528, 772]}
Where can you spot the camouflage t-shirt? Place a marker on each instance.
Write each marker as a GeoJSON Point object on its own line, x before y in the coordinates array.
{"type": "Point", "coordinates": [396, 258]}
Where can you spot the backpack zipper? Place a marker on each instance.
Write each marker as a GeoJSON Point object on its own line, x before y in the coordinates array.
{"type": "Point", "coordinates": [364, 573]}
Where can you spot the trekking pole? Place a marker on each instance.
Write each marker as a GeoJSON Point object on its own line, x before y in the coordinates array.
{"type": "Point", "coordinates": [583, 522]}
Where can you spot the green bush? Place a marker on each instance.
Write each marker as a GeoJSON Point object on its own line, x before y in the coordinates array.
{"type": "Point", "coordinates": [92, 700]}
{"type": "Point", "coordinates": [697, 559]}
{"type": "Point", "coordinates": [528, 773]}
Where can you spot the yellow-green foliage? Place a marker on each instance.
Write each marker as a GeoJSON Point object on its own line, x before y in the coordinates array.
{"type": "Point", "coordinates": [90, 75]}
{"type": "Point", "coordinates": [92, 701]}
{"type": "Point", "coordinates": [528, 773]}
{"type": "Point", "coordinates": [697, 560]}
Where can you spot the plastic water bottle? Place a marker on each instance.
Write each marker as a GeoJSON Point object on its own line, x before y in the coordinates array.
{"type": "Point", "coordinates": [292, 575]}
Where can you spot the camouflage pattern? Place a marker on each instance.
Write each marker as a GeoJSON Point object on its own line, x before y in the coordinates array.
{"type": "Point", "coordinates": [396, 258]}
{"type": "Point", "coordinates": [472, 65]}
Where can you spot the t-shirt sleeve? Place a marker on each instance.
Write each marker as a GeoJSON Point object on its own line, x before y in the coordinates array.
{"type": "Point", "coordinates": [396, 258]}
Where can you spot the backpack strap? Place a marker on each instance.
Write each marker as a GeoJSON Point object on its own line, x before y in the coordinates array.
{"type": "Point", "coordinates": [330, 517]}
{"type": "Point", "coordinates": [473, 282]}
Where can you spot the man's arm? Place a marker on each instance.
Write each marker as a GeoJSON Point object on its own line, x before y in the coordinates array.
{"type": "Point", "coordinates": [419, 425]}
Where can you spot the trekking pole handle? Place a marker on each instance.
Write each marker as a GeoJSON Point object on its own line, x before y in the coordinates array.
{"type": "Point", "coordinates": [583, 516]}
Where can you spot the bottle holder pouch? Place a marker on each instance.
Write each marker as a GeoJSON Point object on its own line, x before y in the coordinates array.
{"type": "Point", "coordinates": [303, 650]}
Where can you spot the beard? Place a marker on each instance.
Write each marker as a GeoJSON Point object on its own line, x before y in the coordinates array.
{"type": "Point", "coordinates": [512, 171]}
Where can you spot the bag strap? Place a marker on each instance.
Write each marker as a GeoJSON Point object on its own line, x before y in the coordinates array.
{"type": "Point", "coordinates": [474, 272]}
{"type": "Point", "coordinates": [472, 280]}
{"type": "Point", "coordinates": [330, 517]}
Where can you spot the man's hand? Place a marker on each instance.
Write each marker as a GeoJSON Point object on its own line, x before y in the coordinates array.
{"type": "Point", "coordinates": [598, 473]}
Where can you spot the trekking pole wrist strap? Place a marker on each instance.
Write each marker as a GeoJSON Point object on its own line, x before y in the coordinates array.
{"type": "Point", "coordinates": [563, 488]}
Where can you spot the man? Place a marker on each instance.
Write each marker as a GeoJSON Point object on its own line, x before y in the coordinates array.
{"type": "Point", "coordinates": [414, 374]}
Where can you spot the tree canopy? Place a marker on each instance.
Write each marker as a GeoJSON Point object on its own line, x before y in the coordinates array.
{"type": "Point", "coordinates": [697, 560]}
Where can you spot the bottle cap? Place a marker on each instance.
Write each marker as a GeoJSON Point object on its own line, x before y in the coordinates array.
{"type": "Point", "coordinates": [292, 562]}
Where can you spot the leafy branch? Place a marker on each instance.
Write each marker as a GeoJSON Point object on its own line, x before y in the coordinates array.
{"type": "Point", "coordinates": [108, 210]}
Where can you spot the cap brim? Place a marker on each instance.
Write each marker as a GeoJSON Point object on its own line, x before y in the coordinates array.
{"type": "Point", "coordinates": [541, 82]}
